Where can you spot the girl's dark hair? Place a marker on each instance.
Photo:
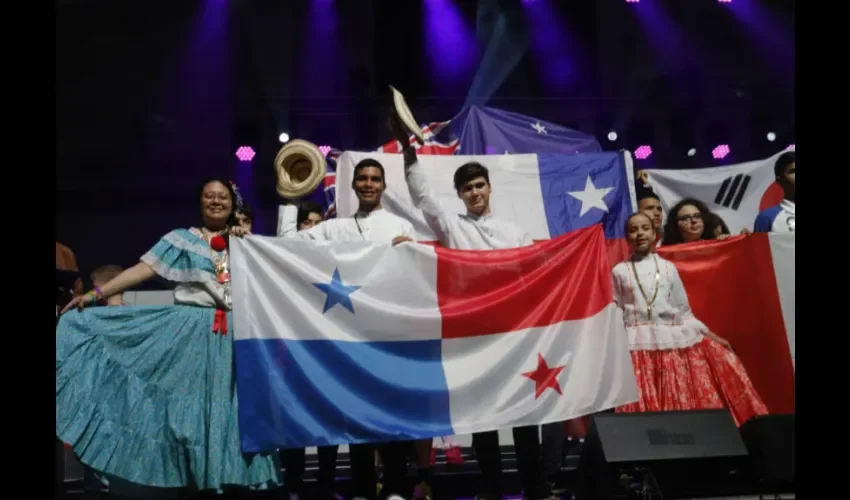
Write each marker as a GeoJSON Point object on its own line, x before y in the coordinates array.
{"type": "Point", "coordinates": [672, 236]}
{"type": "Point", "coordinates": [713, 221]}
{"type": "Point", "coordinates": [231, 219]}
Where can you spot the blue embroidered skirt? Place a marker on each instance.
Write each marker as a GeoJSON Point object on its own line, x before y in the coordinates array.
{"type": "Point", "coordinates": [147, 394]}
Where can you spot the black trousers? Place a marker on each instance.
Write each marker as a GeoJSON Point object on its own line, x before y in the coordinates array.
{"type": "Point", "coordinates": [293, 463]}
{"type": "Point", "coordinates": [364, 477]}
{"type": "Point", "coordinates": [527, 446]}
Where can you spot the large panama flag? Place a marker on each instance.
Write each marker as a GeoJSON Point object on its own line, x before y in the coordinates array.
{"type": "Point", "coordinates": [346, 342]}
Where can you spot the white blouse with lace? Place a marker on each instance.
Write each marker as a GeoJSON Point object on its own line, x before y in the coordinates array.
{"type": "Point", "coordinates": [669, 323]}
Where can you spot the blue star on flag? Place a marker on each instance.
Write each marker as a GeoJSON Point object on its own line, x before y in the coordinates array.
{"type": "Point", "coordinates": [337, 292]}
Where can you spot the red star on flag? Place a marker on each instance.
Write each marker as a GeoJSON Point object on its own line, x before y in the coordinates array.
{"type": "Point", "coordinates": [544, 377]}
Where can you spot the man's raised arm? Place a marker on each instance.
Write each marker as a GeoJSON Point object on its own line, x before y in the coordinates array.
{"type": "Point", "coordinates": [423, 199]}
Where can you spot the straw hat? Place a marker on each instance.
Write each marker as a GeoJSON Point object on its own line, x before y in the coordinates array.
{"type": "Point", "coordinates": [405, 116]}
{"type": "Point", "coordinates": [300, 168]}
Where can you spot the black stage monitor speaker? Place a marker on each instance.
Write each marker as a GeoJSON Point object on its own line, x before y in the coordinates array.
{"type": "Point", "coordinates": [665, 453]}
{"type": "Point", "coordinates": [770, 441]}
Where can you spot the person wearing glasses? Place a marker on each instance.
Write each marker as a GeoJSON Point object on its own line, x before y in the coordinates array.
{"type": "Point", "coordinates": [686, 223]}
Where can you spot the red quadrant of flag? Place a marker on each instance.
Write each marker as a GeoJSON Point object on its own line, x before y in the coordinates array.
{"type": "Point", "coordinates": [502, 291]}
{"type": "Point", "coordinates": [732, 288]}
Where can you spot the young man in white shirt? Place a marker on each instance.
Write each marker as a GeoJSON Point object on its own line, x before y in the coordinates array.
{"type": "Point", "coordinates": [781, 218]}
{"type": "Point", "coordinates": [477, 229]}
{"type": "Point", "coordinates": [370, 223]}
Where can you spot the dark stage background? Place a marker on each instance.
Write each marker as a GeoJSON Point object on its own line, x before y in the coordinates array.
{"type": "Point", "coordinates": [153, 97]}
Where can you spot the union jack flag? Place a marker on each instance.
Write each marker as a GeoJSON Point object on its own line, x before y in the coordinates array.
{"type": "Point", "coordinates": [432, 146]}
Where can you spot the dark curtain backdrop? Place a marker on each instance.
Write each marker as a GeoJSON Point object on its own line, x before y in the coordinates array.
{"type": "Point", "coordinates": [153, 97]}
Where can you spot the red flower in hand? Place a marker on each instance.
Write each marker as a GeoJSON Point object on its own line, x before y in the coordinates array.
{"type": "Point", "coordinates": [217, 243]}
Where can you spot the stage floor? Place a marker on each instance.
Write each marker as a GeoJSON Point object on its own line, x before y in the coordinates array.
{"type": "Point", "coordinates": [449, 482]}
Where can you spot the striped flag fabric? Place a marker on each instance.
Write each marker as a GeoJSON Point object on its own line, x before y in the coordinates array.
{"type": "Point", "coordinates": [737, 193]}
{"type": "Point", "coordinates": [350, 342]}
{"type": "Point", "coordinates": [329, 183]}
{"type": "Point", "coordinates": [744, 289]}
{"type": "Point", "coordinates": [434, 143]}
{"type": "Point", "coordinates": [329, 190]}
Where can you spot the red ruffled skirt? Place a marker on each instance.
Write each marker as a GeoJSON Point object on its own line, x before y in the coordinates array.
{"type": "Point", "coordinates": [704, 376]}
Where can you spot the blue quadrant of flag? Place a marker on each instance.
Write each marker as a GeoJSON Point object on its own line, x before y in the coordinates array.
{"type": "Point", "coordinates": [406, 377]}
{"type": "Point", "coordinates": [561, 175]}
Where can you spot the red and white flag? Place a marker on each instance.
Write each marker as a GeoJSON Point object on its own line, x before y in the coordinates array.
{"type": "Point", "coordinates": [743, 289]}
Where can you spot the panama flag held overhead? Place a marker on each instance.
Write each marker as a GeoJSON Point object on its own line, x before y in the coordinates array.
{"type": "Point", "coordinates": [347, 342]}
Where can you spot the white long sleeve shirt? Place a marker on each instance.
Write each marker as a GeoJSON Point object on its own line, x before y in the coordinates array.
{"type": "Point", "coordinates": [460, 231]}
{"type": "Point", "coordinates": [379, 226]}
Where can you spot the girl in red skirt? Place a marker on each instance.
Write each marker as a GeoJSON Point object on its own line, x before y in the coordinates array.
{"type": "Point", "coordinates": [679, 363]}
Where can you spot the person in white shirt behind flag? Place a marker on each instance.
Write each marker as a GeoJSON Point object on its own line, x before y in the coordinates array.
{"type": "Point", "coordinates": [477, 229]}
{"type": "Point", "coordinates": [370, 223]}
{"type": "Point", "coordinates": [780, 218]}
{"type": "Point", "coordinates": [294, 218]}
{"type": "Point", "coordinates": [309, 215]}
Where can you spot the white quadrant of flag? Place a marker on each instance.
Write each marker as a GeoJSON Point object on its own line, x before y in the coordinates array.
{"type": "Point", "coordinates": [387, 306]}
{"type": "Point", "coordinates": [495, 379]}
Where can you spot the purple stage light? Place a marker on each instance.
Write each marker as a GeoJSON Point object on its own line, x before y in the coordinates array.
{"type": "Point", "coordinates": [325, 150]}
{"type": "Point", "coordinates": [724, 1]}
{"type": "Point", "coordinates": [791, 146]}
{"type": "Point", "coordinates": [643, 152]}
{"type": "Point", "coordinates": [245, 153]}
{"type": "Point", "coordinates": [632, 1]}
{"type": "Point", "coordinates": [720, 152]}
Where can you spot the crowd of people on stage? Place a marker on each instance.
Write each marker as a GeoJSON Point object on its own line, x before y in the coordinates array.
{"type": "Point", "coordinates": [146, 396]}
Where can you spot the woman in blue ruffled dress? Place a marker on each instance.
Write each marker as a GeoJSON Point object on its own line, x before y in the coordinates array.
{"type": "Point", "coordinates": [146, 395]}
